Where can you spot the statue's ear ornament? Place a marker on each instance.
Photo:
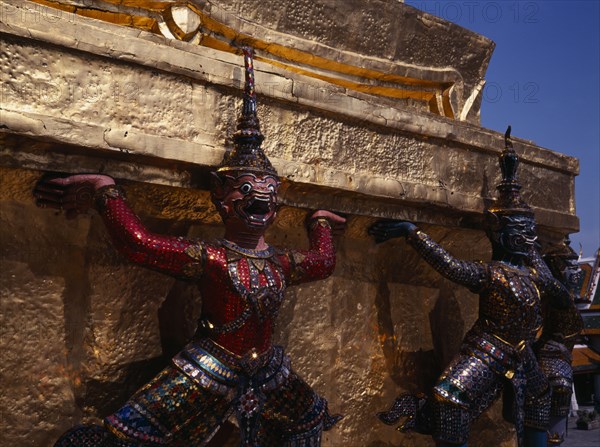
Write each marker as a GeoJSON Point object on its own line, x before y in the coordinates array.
{"type": "Point", "coordinates": [217, 185]}
{"type": "Point", "coordinates": [509, 201]}
{"type": "Point", "coordinates": [247, 154]}
{"type": "Point", "coordinates": [492, 221]}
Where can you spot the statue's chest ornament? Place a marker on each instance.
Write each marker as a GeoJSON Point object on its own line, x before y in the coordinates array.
{"type": "Point", "coordinates": [514, 303]}
{"type": "Point", "coordinates": [260, 300]}
{"type": "Point", "coordinates": [523, 289]}
{"type": "Point", "coordinates": [263, 301]}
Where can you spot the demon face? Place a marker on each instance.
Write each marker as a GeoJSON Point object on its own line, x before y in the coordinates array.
{"type": "Point", "coordinates": [247, 198]}
{"type": "Point", "coordinates": [514, 233]}
{"type": "Point", "coordinates": [566, 269]}
{"type": "Point", "coordinates": [572, 274]}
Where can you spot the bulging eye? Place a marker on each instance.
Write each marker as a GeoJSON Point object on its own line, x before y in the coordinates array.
{"type": "Point", "coordinates": [271, 187]}
{"type": "Point", "coordinates": [246, 188]}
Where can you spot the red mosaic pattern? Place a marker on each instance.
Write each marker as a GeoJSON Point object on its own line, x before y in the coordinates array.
{"type": "Point", "coordinates": [222, 303]}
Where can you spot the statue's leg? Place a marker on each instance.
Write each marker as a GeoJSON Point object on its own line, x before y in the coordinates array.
{"type": "Point", "coordinates": [447, 444]}
{"type": "Point", "coordinates": [465, 389]}
{"type": "Point", "coordinates": [294, 415]}
{"type": "Point", "coordinates": [559, 412]}
{"type": "Point", "coordinates": [557, 430]}
{"type": "Point", "coordinates": [173, 409]}
{"type": "Point", "coordinates": [537, 405]}
{"type": "Point", "coordinates": [450, 423]}
{"type": "Point", "coordinates": [534, 437]}
{"type": "Point", "coordinates": [555, 361]}
{"type": "Point", "coordinates": [90, 436]}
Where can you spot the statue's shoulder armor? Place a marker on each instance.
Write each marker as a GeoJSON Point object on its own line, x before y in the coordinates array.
{"type": "Point", "coordinates": [201, 253]}
{"type": "Point", "coordinates": [501, 269]}
{"type": "Point", "coordinates": [197, 259]}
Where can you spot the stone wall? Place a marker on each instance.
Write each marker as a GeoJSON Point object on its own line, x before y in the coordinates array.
{"type": "Point", "coordinates": [81, 328]}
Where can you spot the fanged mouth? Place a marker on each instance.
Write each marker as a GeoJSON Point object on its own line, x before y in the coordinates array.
{"type": "Point", "coordinates": [258, 207]}
{"type": "Point", "coordinates": [258, 210]}
{"type": "Point", "coordinates": [527, 240]}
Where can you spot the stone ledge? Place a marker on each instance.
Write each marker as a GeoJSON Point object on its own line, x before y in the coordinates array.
{"type": "Point", "coordinates": [388, 197]}
{"type": "Point", "coordinates": [219, 68]}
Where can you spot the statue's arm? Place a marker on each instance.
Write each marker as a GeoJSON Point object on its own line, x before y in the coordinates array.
{"type": "Point", "coordinates": [175, 256]}
{"type": "Point", "coordinates": [318, 262]}
{"type": "Point", "coordinates": [551, 288]}
{"type": "Point", "coordinates": [473, 275]}
{"type": "Point", "coordinates": [563, 324]}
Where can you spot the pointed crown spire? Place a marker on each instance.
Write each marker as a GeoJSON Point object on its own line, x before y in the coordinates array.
{"type": "Point", "coordinates": [509, 199]}
{"type": "Point", "coordinates": [247, 154]}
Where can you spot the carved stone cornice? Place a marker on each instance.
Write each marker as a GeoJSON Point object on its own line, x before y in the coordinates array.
{"type": "Point", "coordinates": [438, 89]}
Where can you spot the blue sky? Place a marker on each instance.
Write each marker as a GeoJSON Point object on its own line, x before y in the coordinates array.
{"type": "Point", "coordinates": [544, 79]}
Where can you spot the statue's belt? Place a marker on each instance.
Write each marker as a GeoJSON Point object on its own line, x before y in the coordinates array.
{"type": "Point", "coordinates": [503, 357]}
{"type": "Point", "coordinates": [212, 367]}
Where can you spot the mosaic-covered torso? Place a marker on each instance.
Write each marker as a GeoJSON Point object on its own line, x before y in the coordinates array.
{"type": "Point", "coordinates": [240, 296]}
{"type": "Point", "coordinates": [241, 289]}
{"type": "Point", "coordinates": [510, 306]}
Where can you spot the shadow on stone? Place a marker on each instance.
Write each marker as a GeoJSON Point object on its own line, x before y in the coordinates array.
{"type": "Point", "coordinates": [447, 327]}
{"type": "Point", "coordinates": [108, 396]}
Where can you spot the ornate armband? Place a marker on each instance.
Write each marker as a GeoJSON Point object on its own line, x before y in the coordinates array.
{"type": "Point", "coordinates": [319, 221]}
{"type": "Point", "coordinates": [106, 192]}
{"type": "Point", "coordinates": [296, 271]}
{"type": "Point", "coordinates": [195, 268]}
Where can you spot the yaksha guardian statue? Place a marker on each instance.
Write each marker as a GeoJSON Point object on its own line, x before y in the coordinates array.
{"type": "Point", "coordinates": [497, 352]}
{"type": "Point", "coordinates": [555, 346]}
{"type": "Point", "coordinates": [231, 367]}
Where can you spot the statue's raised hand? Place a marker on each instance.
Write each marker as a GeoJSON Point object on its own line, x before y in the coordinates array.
{"type": "Point", "coordinates": [383, 230]}
{"type": "Point", "coordinates": [73, 194]}
{"type": "Point", "coordinates": [337, 222]}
